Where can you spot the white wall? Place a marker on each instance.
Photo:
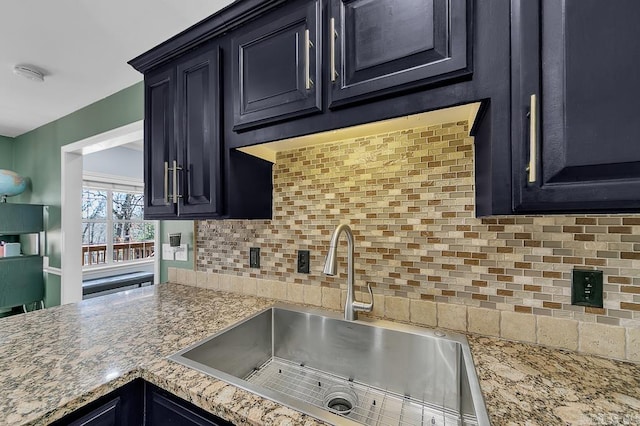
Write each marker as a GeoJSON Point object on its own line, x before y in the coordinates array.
{"type": "Point", "coordinates": [118, 161]}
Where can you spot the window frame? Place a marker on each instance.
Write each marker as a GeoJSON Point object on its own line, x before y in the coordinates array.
{"type": "Point", "coordinates": [111, 184]}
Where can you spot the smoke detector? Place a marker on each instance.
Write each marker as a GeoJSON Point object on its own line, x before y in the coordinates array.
{"type": "Point", "coordinates": [28, 71]}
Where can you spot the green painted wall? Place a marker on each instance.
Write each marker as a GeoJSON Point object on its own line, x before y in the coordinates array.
{"type": "Point", "coordinates": [6, 153]}
{"type": "Point", "coordinates": [36, 154]}
{"type": "Point", "coordinates": [186, 228]}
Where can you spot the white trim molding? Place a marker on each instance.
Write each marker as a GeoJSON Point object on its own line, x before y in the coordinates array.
{"type": "Point", "coordinates": [71, 205]}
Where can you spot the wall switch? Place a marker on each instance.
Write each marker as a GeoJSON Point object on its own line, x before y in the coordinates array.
{"type": "Point", "coordinates": [586, 288]}
{"type": "Point", "coordinates": [254, 257]}
{"type": "Point", "coordinates": [167, 252]}
{"type": "Point", "coordinates": [303, 261]}
{"type": "Point", "coordinates": [182, 252]}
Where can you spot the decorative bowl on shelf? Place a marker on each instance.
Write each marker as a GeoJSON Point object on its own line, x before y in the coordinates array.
{"type": "Point", "coordinates": [11, 184]}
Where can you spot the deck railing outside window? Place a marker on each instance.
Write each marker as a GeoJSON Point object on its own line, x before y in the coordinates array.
{"type": "Point", "coordinates": [96, 254]}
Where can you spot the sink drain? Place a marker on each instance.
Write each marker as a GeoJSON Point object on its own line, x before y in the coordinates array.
{"type": "Point", "coordinates": [340, 404]}
{"type": "Point", "coordinates": [340, 400]}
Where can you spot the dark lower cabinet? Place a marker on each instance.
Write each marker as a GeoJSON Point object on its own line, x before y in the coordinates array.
{"type": "Point", "coordinates": [108, 414]}
{"type": "Point", "coordinates": [122, 407]}
{"type": "Point", "coordinates": [576, 145]}
{"type": "Point", "coordinates": [163, 408]}
{"type": "Point", "coordinates": [385, 46]}
{"type": "Point", "coordinates": [140, 403]}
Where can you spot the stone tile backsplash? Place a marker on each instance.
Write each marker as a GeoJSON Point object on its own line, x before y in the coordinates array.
{"type": "Point", "coordinates": [409, 198]}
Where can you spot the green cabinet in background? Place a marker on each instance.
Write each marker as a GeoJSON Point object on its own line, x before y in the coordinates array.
{"type": "Point", "coordinates": [21, 277]}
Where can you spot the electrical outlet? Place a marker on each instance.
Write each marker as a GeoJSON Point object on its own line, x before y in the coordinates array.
{"type": "Point", "coordinates": [303, 261]}
{"type": "Point", "coordinates": [254, 257]}
{"type": "Point", "coordinates": [586, 288]}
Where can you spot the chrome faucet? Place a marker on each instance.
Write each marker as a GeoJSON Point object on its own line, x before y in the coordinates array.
{"type": "Point", "coordinates": [352, 307]}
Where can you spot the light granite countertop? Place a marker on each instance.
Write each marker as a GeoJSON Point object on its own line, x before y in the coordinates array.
{"type": "Point", "coordinates": [57, 360]}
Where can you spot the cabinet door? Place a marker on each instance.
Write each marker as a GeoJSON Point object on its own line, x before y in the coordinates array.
{"type": "Point", "coordinates": [159, 143]}
{"type": "Point", "coordinates": [199, 145]}
{"type": "Point", "coordinates": [164, 408]}
{"type": "Point", "coordinates": [106, 415]}
{"type": "Point", "coordinates": [276, 66]}
{"type": "Point", "coordinates": [385, 46]}
{"type": "Point", "coordinates": [122, 407]}
{"type": "Point", "coordinates": [578, 58]}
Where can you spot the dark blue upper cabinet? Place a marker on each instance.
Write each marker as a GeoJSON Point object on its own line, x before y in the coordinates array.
{"type": "Point", "coordinates": [159, 143]}
{"type": "Point", "coordinates": [276, 66]}
{"type": "Point", "coordinates": [576, 145]}
{"type": "Point", "coordinates": [199, 139]}
{"type": "Point", "coordinates": [380, 47]}
{"type": "Point", "coordinates": [183, 171]}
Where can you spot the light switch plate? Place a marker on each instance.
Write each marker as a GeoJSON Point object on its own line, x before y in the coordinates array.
{"type": "Point", "coordinates": [182, 253]}
{"type": "Point", "coordinates": [167, 252]}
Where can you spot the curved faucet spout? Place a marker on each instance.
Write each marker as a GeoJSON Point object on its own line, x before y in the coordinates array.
{"type": "Point", "coordinates": [352, 307]}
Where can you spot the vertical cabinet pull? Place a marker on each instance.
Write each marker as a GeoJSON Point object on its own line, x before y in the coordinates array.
{"type": "Point", "coordinates": [533, 139]}
{"type": "Point", "coordinates": [175, 169]}
{"type": "Point", "coordinates": [332, 43]}
{"type": "Point", "coordinates": [308, 44]}
{"type": "Point", "coordinates": [166, 182]}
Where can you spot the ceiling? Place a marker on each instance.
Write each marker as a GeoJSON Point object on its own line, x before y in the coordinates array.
{"type": "Point", "coordinates": [83, 48]}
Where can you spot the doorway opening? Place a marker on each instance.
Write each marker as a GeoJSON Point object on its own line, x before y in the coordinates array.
{"type": "Point", "coordinates": [103, 232]}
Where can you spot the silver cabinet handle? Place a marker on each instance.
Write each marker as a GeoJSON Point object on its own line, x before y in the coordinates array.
{"type": "Point", "coordinates": [533, 139]}
{"type": "Point", "coordinates": [332, 55]}
{"type": "Point", "coordinates": [166, 181]}
{"type": "Point", "coordinates": [175, 169]}
{"type": "Point", "coordinates": [308, 44]}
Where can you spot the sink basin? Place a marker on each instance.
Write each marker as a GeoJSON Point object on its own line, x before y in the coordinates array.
{"type": "Point", "coordinates": [346, 372]}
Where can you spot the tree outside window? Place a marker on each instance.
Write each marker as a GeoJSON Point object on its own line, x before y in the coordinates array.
{"type": "Point", "coordinates": [113, 227]}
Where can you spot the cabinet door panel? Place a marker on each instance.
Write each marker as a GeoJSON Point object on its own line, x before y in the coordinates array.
{"type": "Point", "coordinates": [385, 46]}
{"type": "Point", "coordinates": [107, 415]}
{"type": "Point", "coordinates": [276, 74]}
{"type": "Point", "coordinates": [122, 407]}
{"type": "Point", "coordinates": [199, 134]}
{"type": "Point", "coordinates": [576, 57]}
{"type": "Point", "coordinates": [164, 408]}
{"type": "Point", "coordinates": [159, 143]}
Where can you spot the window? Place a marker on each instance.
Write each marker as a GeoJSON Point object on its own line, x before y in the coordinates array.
{"type": "Point", "coordinates": [113, 228]}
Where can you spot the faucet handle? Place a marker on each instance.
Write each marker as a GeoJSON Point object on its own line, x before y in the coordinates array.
{"type": "Point", "coordinates": [364, 307]}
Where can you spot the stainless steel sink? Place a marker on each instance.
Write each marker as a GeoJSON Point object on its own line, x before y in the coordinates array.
{"type": "Point", "coordinates": [346, 372]}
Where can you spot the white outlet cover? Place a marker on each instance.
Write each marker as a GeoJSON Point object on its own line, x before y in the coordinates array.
{"type": "Point", "coordinates": [182, 253]}
{"type": "Point", "coordinates": [167, 252]}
